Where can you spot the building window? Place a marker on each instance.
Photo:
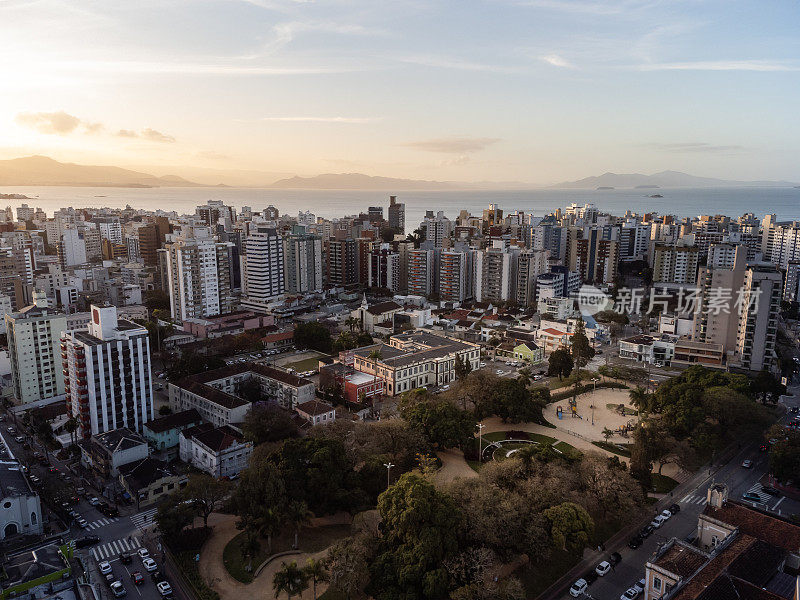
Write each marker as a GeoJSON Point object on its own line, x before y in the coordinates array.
{"type": "Point", "coordinates": [657, 584]}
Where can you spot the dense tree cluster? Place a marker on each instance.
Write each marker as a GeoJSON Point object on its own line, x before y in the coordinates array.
{"type": "Point", "coordinates": [313, 336]}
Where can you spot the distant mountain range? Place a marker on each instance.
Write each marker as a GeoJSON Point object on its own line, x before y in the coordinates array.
{"type": "Point", "coordinates": [41, 170]}
{"type": "Point", "coordinates": [44, 171]}
{"type": "Point", "coordinates": [358, 181]}
{"type": "Point", "coordinates": [665, 179]}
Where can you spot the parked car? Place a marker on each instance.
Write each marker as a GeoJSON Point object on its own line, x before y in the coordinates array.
{"type": "Point", "coordinates": [11, 429]}
{"type": "Point", "coordinates": [20, 439]}
{"type": "Point", "coordinates": [674, 509]}
{"type": "Point", "coordinates": [751, 497]}
{"type": "Point", "coordinates": [747, 464]}
{"type": "Point", "coordinates": [83, 523]}
{"type": "Point", "coordinates": [646, 531]}
{"type": "Point", "coordinates": [118, 589]}
{"type": "Point", "coordinates": [164, 588]}
{"type": "Point", "coordinates": [85, 542]}
{"type": "Point", "coordinates": [629, 594]}
{"type": "Point", "coordinates": [603, 568]}
{"type": "Point", "coordinates": [768, 489]}
{"type": "Point", "coordinates": [591, 577]}
{"type": "Point", "coordinates": [640, 585]}
{"type": "Point", "coordinates": [658, 521]}
{"type": "Point", "coordinates": [149, 565]}
{"type": "Point", "coordinates": [94, 501]}
{"type": "Point", "coordinates": [615, 559]}
{"type": "Point", "coordinates": [635, 542]}
{"type": "Point", "coordinates": [667, 514]}
{"type": "Point", "coordinates": [578, 588]}
{"type": "Point", "coordinates": [105, 567]}
{"type": "Point", "coordinates": [143, 553]}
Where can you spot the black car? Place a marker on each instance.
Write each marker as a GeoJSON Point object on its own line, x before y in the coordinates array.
{"type": "Point", "coordinates": [674, 509]}
{"type": "Point", "coordinates": [157, 576]}
{"type": "Point", "coordinates": [615, 559]}
{"type": "Point", "coordinates": [85, 542]}
{"type": "Point", "coordinates": [635, 542]}
{"type": "Point", "coordinates": [768, 489]}
{"type": "Point", "coordinates": [646, 531]}
{"type": "Point", "coordinates": [125, 559]}
{"type": "Point", "coordinates": [590, 577]}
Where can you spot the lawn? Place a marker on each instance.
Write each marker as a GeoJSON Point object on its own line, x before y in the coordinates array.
{"type": "Point", "coordinates": [307, 364]}
{"type": "Point", "coordinates": [312, 539]}
{"type": "Point", "coordinates": [621, 449]}
{"type": "Point", "coordinates": [663, 484]}
{"type": "Point", "coordinates": [567, 449]}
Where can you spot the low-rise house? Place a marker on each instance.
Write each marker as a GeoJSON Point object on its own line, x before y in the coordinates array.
{"type": "Point", "coordinates": [526, 351]}
{"type": "Point", "coordinates": [163, 433]}
{"type": "Point", "coordinates": [698, 353]}
{"type": "Point", "coordinates": [740, 553]}
{"type": "Point", "coordinates": [149, 480]}
{"type": "Point", "coordinates": [219, 451]}
{"type": "Point", "coordinates": [36, 573]}
{"type": "Point", "coordinates": [215, 393]}
{"type": "Point", "coordinates": [20, 508]}
{"type": "Point", "coordinates": [380, 315]}
{"type": "Point", "coordinates": [316, 412]}
{"type": "Point", "coordinates": [415, 359]}
{"type": "Point", "coordinates": [552, 339]}
{"type": "Point", "coordinates": [235, 322]}
{"type": "Point", "coordinates": [106, 452]}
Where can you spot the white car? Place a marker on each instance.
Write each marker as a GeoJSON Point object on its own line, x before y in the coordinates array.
{"type": "Point", "coordinates": [603, 568]}
{"type": "Point", "coordinates": [105, 567]}
{"type": "Point", "coordinates": [149, 565]}
{"type": "Point", "coordinates": [481, 365]}
{"type": "Point", "coordinates": [658, 521]}
{"type": "Point", "coordinates": [747, 464]}
{"type": "Point", "coordinates": [640, 585]}
{"type": "Point", "coordinates": [630, 594]}
{"type": "Point", "coordinates": [94, 501]}
{"type": "Point", "coordinates": [666, 514]}
{"type": "Point", "coordinates": [118, 589]}
{"type": "Point", "coordinates": [143, 553]}
{"type": "Point", "coordinates": [164, 588]}
{"type": "Point", "coordinates": [83, 523]}
{"type": "Point", "coordinates": [578, 588]}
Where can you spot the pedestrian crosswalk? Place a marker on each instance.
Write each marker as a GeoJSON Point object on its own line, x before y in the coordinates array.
{"type": "Point", "coordinates": [758, 490]}
{"type": "Point", "coordinates": [693, 499]}
{"type": "Point", "coordinates": [145, 518]}
{"type": "Point", "coordinates": [113, 549]}
{"type": "Point", "coordinates": [101, 523]}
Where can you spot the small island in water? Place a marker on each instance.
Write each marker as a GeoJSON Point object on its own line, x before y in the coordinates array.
{"type": "Point", "coordinates": [605, 187]}
{"type": "Point", "coordinates": [14, 197]}
{"type": "Point", "coordinates": [647, 187]}
{"type": "Point", "coordinates": [655, 196]}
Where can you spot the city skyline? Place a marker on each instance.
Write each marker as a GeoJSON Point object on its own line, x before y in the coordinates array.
{"type": "Point", "coordinates": [539, 91]}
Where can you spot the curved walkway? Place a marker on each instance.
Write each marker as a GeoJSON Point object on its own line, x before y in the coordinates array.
{"type": "Point", "coordinates": [214, 573]}
{"type": "Point", "coordinates": [453, 465]}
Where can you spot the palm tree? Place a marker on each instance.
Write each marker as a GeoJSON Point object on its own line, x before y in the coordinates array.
{"type": "Point", "coordinates": [316, 570]}
{"type": "Point", "coordinates": [71, 426]}
{"type": "Point", "coordinates": [290, 579]}
{"type": "Point", "coordinates": [269, 524]}
{"type": "Point", "coordinates": [352, 323]}
{"type": "Point", "coordinates": [250, 547]}
{"type": "Point", "coordinates": [638, 397]}
{"type": "Point", "coordinates": [298, 515]}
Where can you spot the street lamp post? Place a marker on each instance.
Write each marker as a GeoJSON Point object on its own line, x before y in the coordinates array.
{"type": "Point", "coordinates": [480, 442]}
{"type": "Point", "coordinates": [388, 466]}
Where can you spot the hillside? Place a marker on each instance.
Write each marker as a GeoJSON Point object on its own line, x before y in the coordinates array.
{"type": "Point", "coordinates": [665, 179]}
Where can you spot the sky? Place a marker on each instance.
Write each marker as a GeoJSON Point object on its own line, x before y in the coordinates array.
{"type": "Point", "coordinates": [534, 91]}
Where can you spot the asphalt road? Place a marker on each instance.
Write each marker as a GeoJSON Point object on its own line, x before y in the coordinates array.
{"type": "Point", "coordinates": [683, 525]}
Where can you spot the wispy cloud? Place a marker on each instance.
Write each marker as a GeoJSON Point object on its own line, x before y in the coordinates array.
{"type": "Point", "coordinates": [453, 145]}
{"type": "Point", "coordinates": [151, 135]}
{"type": "Point", "coordinates": [191, 68]}
{"type": "Point", "coordinates": [557, 61]}
{"type": "Point", "coordinates": [720, 65]}
{"type": "Point", "coordinates": [59, 123]}
{"type": "Point", "coordinates": [601, 7]}
{"type": "Point", "coordinates": [441, 62]}
{"type": "Point", "coordinates": [352, 120]}
{"type": "Point", "coordinates": [695, 148]}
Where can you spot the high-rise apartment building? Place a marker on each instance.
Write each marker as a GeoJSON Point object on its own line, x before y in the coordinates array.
{"type": "Point", "coordinates": [302, 254]}
{"type": "Point", "coordinates": [263, 277]}
{"type": "Point", "coordinates": [675, 264]}
{"type": "Point", "coordinates": [454, 276]}
{"type": "Point", "coordinates": [758, 318]}
{"type": "Point", "coordinates": [397, 215]}
{"type": "Point", "coordinates": [495, 269]}
{"type": "Point", "coordinates": [436, 228]}
{"type": "Point", "coordinates": [197, 271]}
{"type": "Point", "coordinates": [341, 260]}
{"type": "Point", "coordinates": [593, 256]}
{"type": "Point", "coordinates": [108, 379]}
{"type": "Point", "coordinates": [530, 264]}
{"type": "Point", "coordinates": [422, 273]}
{"type": "Point", "coordinates": [791, 286]}
{"type": "Point", "coordinates": [72, 248]}
{"type": "Point", "coordinates": [33, 338]}
{"type": "Point", "coordinates": [383, 269]}
{"type": "Point", "coordinates": [110, 228]}
{"type": "Point", "coordinates": [214, 212]}
{"type": "Point", "coordinates": [780, 242]}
